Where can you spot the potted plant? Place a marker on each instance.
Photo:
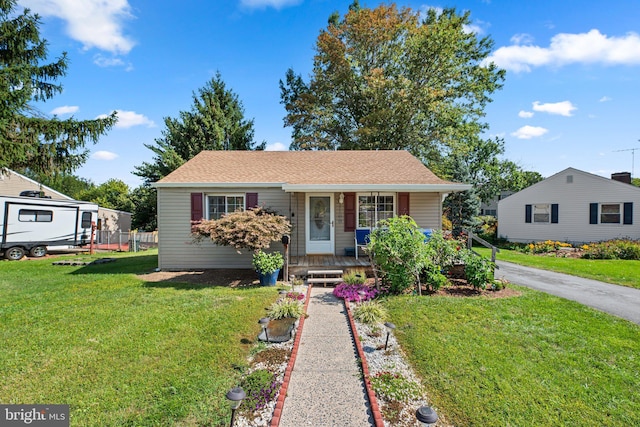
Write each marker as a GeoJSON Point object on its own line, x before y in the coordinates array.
{"type": "Point", "coordinates": [267, 266]}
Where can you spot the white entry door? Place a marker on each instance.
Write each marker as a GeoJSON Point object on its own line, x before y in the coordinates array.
{"type": "Point", "coordinates": [319, 224]}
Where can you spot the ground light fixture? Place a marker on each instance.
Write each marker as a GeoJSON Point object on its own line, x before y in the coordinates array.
{"type": "Point", "coordinates": [390, 327]}
{"type": "Point", "coordinates": [426, 416]}
{"type": "Point", "coordinates": [264, 322]}
{"type": "Point", "coordinates": [235, 396]}
{"type": "Point", "coordinates": [361, 295]}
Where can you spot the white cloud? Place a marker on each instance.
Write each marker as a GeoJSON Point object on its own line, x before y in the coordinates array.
{"type": "Point", "coordinates": [104, 155]}
{"type": "Point", "coordinates": [127, 119]}
{"type": "Point", "coordinates": [94, 23]}
{"type": "Point", "coordinates": [525, 114]}
{"type": "Point", "coordinates": [261, 4]}
{"type": "Point", "coordinates": [584, 48]}
{"type": "Point", "coordinates": [604, 99]}
{"type": "Point", "coordinates": [522, 38]}
{"type": "Point", "coordinates": [528, 132]}
{"type": "Point", "coordinates": [563, 108]}
{"type": "Point", "coordinates": [276, 146]}
{"type": "Point", "coordinates": [65, 109]}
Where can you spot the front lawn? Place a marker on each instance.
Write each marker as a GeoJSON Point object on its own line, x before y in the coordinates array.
{"type": "Point", "coordinates": [121, 351]}
{"type": "Point", "coordinates": [522, 361]}
{"type": "Point", "coordinates": [619, 272]}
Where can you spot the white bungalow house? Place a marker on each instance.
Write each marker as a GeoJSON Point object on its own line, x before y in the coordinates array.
{"type": "Point", "coordinates": [326, 195]}
{"type": "Point", "coordinates": [572, 206]}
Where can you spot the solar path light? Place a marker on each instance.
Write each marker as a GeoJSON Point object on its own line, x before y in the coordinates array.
{"type": "Point", "coordinates": [426, 416]}
{"type": "Point", "coordinates": [264, 322]}
{"type": "Point", "coordinates": [235, 396]}
{"type": "Point", "coordinates": [390, 327]}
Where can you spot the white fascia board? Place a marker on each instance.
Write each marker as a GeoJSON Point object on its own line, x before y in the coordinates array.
{"type": "Point", "coordinates": [217, 184]}
{"type": "Point", "coordinates": [431, 188]}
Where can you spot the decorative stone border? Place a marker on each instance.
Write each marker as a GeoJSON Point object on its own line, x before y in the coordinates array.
{"type": "Point", "coordinates": [277, 412]}
{"type": "Point", "coordinates": [373, 402]}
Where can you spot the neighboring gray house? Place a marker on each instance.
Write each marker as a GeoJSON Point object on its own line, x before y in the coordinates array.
{"type": "Point", "coordinates": [13, 184]}
{"type": "Point", "coordinates": [572, 206]}
{"type": "Point", "coordinates": [491, 208]}
{"type": "Point", "coordinates": [325, 194]}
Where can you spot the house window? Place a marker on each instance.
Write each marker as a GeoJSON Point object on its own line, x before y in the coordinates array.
{"type": "Point", "coordinates": [223, 204]}
{"type": "Point", "coordinates": [374, 208]}
{"type": "Point", "coordinates": [610, 213]}
{"type": "Point", "coordinates": [541, 213]}
{"type": "Point", "coordinates": [32, 215]}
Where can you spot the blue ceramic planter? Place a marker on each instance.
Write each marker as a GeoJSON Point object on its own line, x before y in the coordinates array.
{"type": "Point", "coordinates": [269, 279]}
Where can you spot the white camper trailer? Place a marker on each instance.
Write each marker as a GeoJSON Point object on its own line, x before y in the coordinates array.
{"type": "Point", "coordinates": [29, 225]}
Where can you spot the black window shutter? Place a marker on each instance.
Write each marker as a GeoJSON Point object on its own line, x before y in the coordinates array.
{"type": "Point", "coordinates": [554, 213]}
{"type": "Point", "coordinates": [197, 211]}
{"type": "Point", "coordinates": [251, 200]}
{"type": "Point", "coordinates": [628, 213]}
{"type": "Point", "coordinates": [593, 213]}
{"type": "Point", "coordinates": [349, 211]}
{"type": "Point", "coordinates": [527, 213]}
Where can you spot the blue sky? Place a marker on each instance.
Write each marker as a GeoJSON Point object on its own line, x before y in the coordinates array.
{"type": "Point", "coordinates": [570, 99]}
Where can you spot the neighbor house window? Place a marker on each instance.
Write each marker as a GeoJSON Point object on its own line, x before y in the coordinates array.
{"type": "Point", "coordinates": [610, 213]}
{"type": "Point", "coordinates": [541, 213]}
{"type": "Point", "coordinates": [223, 204]}
{"type": "Point", "coordinates": [374, 208]}
{"type": "Point", "coordinates": [32, 215]}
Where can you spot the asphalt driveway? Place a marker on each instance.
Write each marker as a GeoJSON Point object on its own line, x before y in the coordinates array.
{"type": "Point", "coordinates": [620, 301]}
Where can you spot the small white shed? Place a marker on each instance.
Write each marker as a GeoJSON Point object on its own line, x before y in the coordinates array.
{"type": "Point", "coordinates": [571, 206]}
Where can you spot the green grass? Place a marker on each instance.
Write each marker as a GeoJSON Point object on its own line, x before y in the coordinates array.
{"type": "Point", "coordinates": [619, 272]}
{"type": "Point", "coordinates": [521, 361]}
{"type": "Point", "coordinates": [121, 351]}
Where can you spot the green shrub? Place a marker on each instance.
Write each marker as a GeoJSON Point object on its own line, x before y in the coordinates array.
{"type": "Point", "coordinates": [355, 277]}
{"type": "Point", "coordinates": [398, 250]}
{"type": "Point", "coordinates": [613, 249]}
{"type": "Point", "coordinates": [478, 270]}
{"type": "Point", "coordinates": [286, 307]}
{"type": "Point", "coordinates": [267, 263]}
{"type": "Point", "coordinates": [370, 312]}
{"type": "Point", "coordinates": [432, 276]}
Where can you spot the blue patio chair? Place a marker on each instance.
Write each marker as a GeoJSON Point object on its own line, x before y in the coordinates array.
{"type": "Point", "coordinates": [361, 239]}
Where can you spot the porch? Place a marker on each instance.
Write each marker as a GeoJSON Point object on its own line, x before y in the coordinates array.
{"type": "Point", "coordinates": [300, 265]}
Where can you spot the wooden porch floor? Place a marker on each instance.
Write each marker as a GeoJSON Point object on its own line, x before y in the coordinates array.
{"type": "Point", "coordinates": [299, 265]}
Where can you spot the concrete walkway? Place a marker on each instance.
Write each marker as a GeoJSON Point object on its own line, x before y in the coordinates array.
{"type": "Point", "coordinates": [326, 387]}
{"type": "Point", "coordinates": [618, 300]}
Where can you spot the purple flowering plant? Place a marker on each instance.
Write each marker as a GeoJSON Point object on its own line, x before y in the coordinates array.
{"type": "Point", "coordinates": [297, 296]}
{"type": "Point", "coordinates": [352, 292]}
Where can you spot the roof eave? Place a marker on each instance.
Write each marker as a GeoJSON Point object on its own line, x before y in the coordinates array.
{"type": "Point", "coordinates": [430, 188]}
{"type": "Point", "coordinates": [327, 188]}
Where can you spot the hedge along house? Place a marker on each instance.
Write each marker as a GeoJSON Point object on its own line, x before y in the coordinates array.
{"type": "Point", "coordinates": [326, 195]}
{"type": "Point", "coordinates": [572, 206]}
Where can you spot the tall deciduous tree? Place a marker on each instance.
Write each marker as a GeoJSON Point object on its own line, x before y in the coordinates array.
{"type": "Point", "coordinates": [215, 122]}
{"type": "Point", "coordinates": [389, 78]}
{"type": "Point", "coordinates": [27, 138]}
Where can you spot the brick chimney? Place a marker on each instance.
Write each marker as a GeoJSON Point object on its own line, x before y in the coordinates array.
{"type": "Point", "coordinates": [622, 177]}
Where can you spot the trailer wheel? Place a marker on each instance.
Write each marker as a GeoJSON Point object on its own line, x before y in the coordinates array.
{"type": "Point", "coordinates": [14, 254]}
{"type": "Point", "coordinates": [38, 251]}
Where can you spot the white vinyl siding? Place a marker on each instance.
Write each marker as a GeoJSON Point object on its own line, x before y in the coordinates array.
{"type": "Point", "coordinates": [176, 247]}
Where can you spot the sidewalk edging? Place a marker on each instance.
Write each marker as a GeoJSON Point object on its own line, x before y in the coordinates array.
{"type": "Point", "coordinates": [282, 394]}
{"type": "Point", "coordinates": [373, 402]}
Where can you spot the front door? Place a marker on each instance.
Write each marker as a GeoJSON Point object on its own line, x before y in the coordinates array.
{"type": "Point", "coordinates": [320, 224]}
